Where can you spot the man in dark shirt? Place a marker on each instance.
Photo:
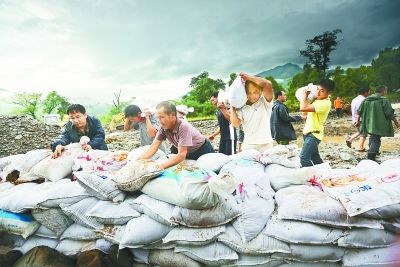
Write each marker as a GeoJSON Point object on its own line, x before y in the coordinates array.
{"type": "Point", "coordinates": [223, 116]}
{"type": "Point", "coordinates": [80, 124]}
{"type": "Point", "coordinates": [281, 122]}
{"type": "Point", "coordinates": [190, 143]}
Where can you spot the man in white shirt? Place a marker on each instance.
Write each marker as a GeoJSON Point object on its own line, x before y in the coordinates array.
{"type": "Point", "coordinates": [255, 116]}
{"type": "Point", "coordinates": [355, 104]}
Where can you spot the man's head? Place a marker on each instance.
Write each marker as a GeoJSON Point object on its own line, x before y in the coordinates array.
{"type": "Point", "coordinates": [325, 88]}
{"type": "Point", "coordinates": [253, 92]}
{"type": "Point", "coordinates": [363, 91]}
{"type": "Point", "coordinates": [280, 96]}
{"type": "Point", "coordinates": [77, 115]}
{"type": "Point", "coordinates": [132, 113]}
{"type": "Point", "coordinates": [166, 115]}
{"type": "Point", "coordinates": [214, 99]}
{"type": "Point", "coordinates": [381, 89]}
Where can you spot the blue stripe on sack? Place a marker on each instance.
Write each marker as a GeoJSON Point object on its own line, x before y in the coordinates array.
{"type": "Point", "coordinates": [15, 216]}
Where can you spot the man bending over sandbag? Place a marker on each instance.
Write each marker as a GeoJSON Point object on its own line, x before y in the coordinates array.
{"type": "Point", "coordinates": [80, 124]}
{"type": "Point", "coordinates": [191, 144]}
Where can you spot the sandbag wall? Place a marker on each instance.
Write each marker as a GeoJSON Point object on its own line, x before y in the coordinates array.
{"type": "Point", "coordinates": [242, 210]}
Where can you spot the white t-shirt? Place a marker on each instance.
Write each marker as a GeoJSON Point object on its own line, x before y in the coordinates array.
{"type": "Point", "coordinates": [355, 104]}
{"type": "Point", "coordinates": [255, 120]}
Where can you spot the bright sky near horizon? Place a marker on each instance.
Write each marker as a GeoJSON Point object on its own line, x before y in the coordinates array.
{"type": "Point", "coordinates": [90, 49]}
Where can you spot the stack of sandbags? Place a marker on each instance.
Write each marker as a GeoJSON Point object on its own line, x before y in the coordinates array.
{"type": "Point", "coordinates": [188, 215]}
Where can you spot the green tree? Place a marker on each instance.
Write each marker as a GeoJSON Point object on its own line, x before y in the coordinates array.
{"type": "Point", "coordinates": [203, 87]}
{"type": "Point", "coordinates": [232, 77]}
{"type": "Point", "coordinates": [387, 68]}
{"type": "Point", "coordinates": [275, 85]}
{"type": "Point", "coordinates": [28, 103]}
{"type": "Point", "coordinates": [54, 101]}
{"type": "Point", "coordinates": [319, 48]}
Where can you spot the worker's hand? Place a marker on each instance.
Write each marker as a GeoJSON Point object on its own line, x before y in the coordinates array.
{"type": "Point", "coordinates": [244, 76]}
{"type": "Point", "coordinates": [221, 105]}
{"type": "Point", "coordinates": [211, 137]}
{"type": "Point", "coordinates": [357, 124]}
{"type": "Point", "coordinates": [306, 93]}
{"type": "Point", "coordinates": [86, 147]}
{"type": "Point", "coordinates": [57, 152]}
{"type": "Point", "coordinates": [239, 147]}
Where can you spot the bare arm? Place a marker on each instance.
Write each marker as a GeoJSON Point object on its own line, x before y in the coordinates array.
{"type": "Point", "coordinates": [152, 150]}
{"type": "Point", "coordinates": [151, 130]}
{"type": "Point", "coordinates": [214, 134]}
{"type": "Point", "coordinates": [234, 118]}
{"type": "Point", "coordinates": [127, 125]}
{"type": "Point", "coordinates": [176, 159]}
{"type": "Point", "coordinates": [305, 106]}
{"type": "Point", "coordinates": [265, 84]}
{"type": "Point", "coordinates": [224, 111]}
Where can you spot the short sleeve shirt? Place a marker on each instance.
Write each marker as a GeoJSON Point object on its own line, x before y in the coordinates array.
{"type": "Point", "coordinates": [255, 120]}
{"type": "Point", "coordinates": [355, 104]}
{"type": "Point", "coordinates": [315, 120]}
{"type": "Point", "coordinates": [224, 124]}
{"type": "Point", "coordinates": [183, 134]}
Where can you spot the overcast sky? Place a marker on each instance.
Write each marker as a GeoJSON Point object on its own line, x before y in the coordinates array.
{"type": "Point", "coordinates": [92, 48]}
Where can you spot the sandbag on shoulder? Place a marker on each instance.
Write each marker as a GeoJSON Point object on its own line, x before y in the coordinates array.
{"type": "Point", "coordinates": [135, 174]}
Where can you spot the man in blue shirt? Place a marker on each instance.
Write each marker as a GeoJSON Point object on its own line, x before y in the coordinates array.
{"type": "Point", "coordinates": [80, 124]}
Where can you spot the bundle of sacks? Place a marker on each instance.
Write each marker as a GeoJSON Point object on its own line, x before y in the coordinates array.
{"type": "Point", "coordinates": [242, 210]}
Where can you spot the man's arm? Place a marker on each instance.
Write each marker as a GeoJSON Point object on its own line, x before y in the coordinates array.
{"type": "Point", "coordinates": [224, 111]}
{"type": "Point", "coordinates": [214, 134]}
{"type": "Point", "coordinates": [265, 84]}
{"type": "Point", "coordinates": [127, 125]}
{"type": "Point", "coordinates": [152, 149]}
{"type": "Point", "coordinates": [151, 130]}
{"type": "Point", "coordinates": [305, 106]}
{"type": "Point", "coordinates": [234, 118]}
{"type": "Point", "coordinates": [176, 159]}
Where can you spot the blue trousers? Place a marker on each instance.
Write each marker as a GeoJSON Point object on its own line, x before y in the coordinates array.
{"type": "Point", "coordinates": [309, 155]}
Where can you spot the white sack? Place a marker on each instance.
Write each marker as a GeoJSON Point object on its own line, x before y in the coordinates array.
{"type": "Point", "coordinates": [156, 209]}
{"type": "Point", "coordinates": [79, 233]}
{"type": "Point", "coordinates": [237, 93]}
{"type": "Point", "coordinates": [107, 212]}
{"type": "Point", "coordinates": [193, 236]}
{"type": "Point", "coordinates": [78, 211]}
{"type": "Point", "coordinates": [212, 161]}
{"type": "Point", "coordinates": [18, 223]}
{"type": "Point", "coordinates": [54, 219]}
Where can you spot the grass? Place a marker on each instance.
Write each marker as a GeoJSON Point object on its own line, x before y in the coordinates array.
{"type": "Point", "coordinates": [202, 118]}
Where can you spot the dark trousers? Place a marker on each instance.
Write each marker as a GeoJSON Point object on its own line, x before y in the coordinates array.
{"type": "Point", "coordinates": [225, 147]}
{"type": "Point", "coordinates": [204, 149]}
{"type": "Point", "coordinates": [374, 145]}
{"type": "Point", "coordinates": [309, 155]}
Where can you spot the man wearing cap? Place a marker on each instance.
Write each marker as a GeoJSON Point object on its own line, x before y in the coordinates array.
{"type": "Point", "coordinates": [190, 143]}
{"type": "Point", "coordinates": [183, 110]}
{"type": "Point", "coordinates": [223, 116]}
{"type": "Point", "coordinates": [145, 122]}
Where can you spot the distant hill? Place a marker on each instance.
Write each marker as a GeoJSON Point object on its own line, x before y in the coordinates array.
{"type": "Point", "coordinates": [283, 72]}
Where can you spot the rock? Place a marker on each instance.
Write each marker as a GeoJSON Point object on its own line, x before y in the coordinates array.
{"type": "Point", "coordinates": [91, 258]}
{"type": "Point", "coordinates": [9, 258]}
{"type": "Point", "coordinates": [346, 156]}
{"type": "Point", "coordinates": [44, 256]}
{"type": "Point", "coordinates": [119, 258]}
{"type": "Point", "coordinates": [20, 134]}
